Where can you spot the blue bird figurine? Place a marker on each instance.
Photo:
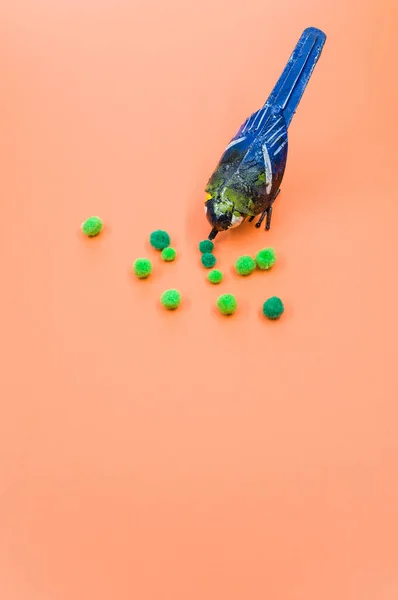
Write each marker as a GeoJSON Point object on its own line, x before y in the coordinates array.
{"type": "Point", "coordinates": [248, 176]}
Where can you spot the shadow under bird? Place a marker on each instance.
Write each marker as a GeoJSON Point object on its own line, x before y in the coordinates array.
{"type": "Point", "coordinates": [248, 176]}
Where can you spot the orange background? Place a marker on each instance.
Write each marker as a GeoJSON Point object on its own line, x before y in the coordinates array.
{"type": "Point", "coordinates": [155, 456]}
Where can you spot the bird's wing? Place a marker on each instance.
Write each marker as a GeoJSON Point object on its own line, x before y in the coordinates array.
{"type": "Point", "coordinates": [251, 127]}
{"type": "Point", "coordinates": [253, 132]}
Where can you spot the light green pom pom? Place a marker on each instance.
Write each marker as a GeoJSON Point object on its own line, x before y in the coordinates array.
{"type": "Point", "coordinates": [215, 276]}
{"type": "Point", "coordinates": [266, 259]}
{"type": "Point", "coordinates": [227, 304]}
{"type": "Point", "coordinates": [142, 268]}
{"type": "Point", "coordinates": [92, 226]}
{"type": "Point", "coordinates": [168, 254]}
{"type": "Point", "coordinates": [171, 299]}
{"type": "Point", "coordinates": [245, 265]}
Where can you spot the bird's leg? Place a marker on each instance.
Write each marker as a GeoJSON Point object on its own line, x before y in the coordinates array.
{"type": "Point", "coordinates": [261, 219]}
{"type": "Point", "coordinates": [251, 219]}
{"type": "Point", "coordinates": [268, 213]}
{"type": "Point", "coordinates": [268, 222]}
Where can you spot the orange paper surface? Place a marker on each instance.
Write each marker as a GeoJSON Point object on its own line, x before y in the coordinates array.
{"type": "Point", "coordinates": [154, 456]}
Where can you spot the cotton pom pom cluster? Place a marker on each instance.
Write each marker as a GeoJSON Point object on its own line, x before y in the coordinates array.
{"type": "Point", "coordinates": [171, 299]}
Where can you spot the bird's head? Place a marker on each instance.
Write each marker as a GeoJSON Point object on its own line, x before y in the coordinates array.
{"type": "Point", "coordinates": [222, 214]}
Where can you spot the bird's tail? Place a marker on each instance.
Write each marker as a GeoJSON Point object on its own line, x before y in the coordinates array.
{"type": "Point", "coordinates": [290, 87]}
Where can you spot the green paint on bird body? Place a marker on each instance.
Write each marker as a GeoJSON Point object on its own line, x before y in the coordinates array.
{"type": "Point", "coordinates": [251, 206]}
{"type": "Point", "coordinates": [223, 207]}
{"type": "Point", "coordinates": [261, 180]}
{"type": "Point", "coordinates": [237, 200]}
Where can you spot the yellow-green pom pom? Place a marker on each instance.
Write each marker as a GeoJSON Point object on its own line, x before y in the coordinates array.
{"type": "Point", "coordinates": [206, 246]}
{"type": "Point", "coordinates": [208, 260]}
{"type": "Point", "coordinates": [273, 308]}
{"type": "Point", "coordinates": [171, 299]}
{"type": "Point", "coordinates": [215, 276]}
{"type": "Point", "coordinates": [169, 254]}
{"type": "Point", "coordinates": [227, 304]}
{"type": "Point", "coordinates": [245, 265]}
{"type": "Point", "coordinates": [92, 226]}
{"type": "Point", "coordinates": [142, 268]}
{"type": "Point", "coordinates": [266, 259]}
{"type": "Point", "coordinates": [159, 239]}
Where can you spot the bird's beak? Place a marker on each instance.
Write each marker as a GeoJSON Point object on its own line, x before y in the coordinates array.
{"type": "Point", "coordinates": [213, 233]}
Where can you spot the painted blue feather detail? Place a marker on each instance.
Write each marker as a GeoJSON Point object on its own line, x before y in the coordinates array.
{"type": "Point", "coordinates": [290, 86]}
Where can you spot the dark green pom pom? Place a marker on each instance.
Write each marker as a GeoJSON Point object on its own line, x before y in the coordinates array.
{"type": "Point", "coordinates": [266, 259]}
{"type": "Point", "coordinates": [92, 226]}
{"type": "Point", "coordinates": [227, 304]}
{"type": "Point", "coordinates": [206, 246]}
{"type": "Point", "coordinates": [171, 299]}
{"type": "Point", "coordinates": [273, 308]}
{"type": "Point", "coordinates": [215, 276]}
{"type": "Point", "coordinates": [142, 268]}
{"type": "Point", "coordinates": [245, 265]}
{"type": "Point", "coordinates": [208, 260]}
{"type": "Point", "coordinates": [159, 239]}
{"type": "Point", "coordinates": [169, 254]}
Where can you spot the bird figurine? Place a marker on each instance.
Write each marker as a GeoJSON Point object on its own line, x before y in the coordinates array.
{"type": "Point", "coordinates": [248, 176]}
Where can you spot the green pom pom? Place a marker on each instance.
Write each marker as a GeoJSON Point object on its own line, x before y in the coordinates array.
{"type": "Point", "coordinates": [206, 246]}
{"type": "Point", "coordinates": [245, 265]}
{"type": "Point", "coordinates": [266, 259]}
{"type": "Point", "coordinates": [171, 299]}
{"type": "Point", "coordinates": [159, 239]}
{"type": "Point", "coordinates": [92, 226]}
{"type": "Point", "coordinates": [208, 260]}
{"type": "Point", "coordinates": [169, 254]}
{"type": "Point", "coordinates": [227, 304]}
{"type": "Point", "coordinates": [273, 308]}
{"type": "Point", "coordinates": [215, 276]}
{"type": "Point", "coordinates": [142, 268]}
